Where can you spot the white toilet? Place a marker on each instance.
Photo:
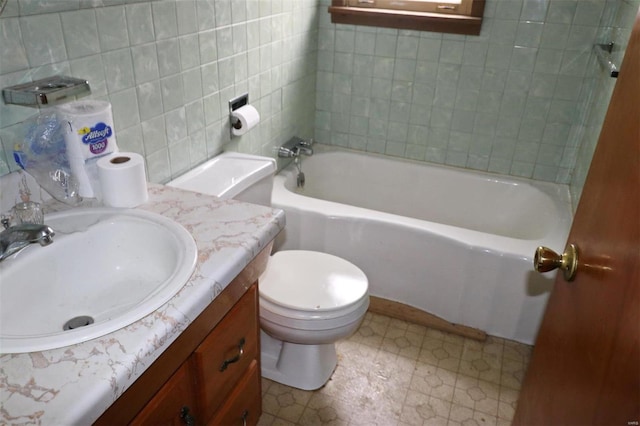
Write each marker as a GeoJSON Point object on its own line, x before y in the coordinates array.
{"type": "Point", "coordinates": [308, 300]}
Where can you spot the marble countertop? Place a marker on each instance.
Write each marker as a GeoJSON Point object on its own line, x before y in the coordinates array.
{"type": "Point", "coordinates": [76, 384]}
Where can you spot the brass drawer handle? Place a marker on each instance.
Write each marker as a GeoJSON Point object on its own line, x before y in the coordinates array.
{"type": "Point", "coordinates": [236, 358]}
{"type": "Point", "coordinates": [186, 417]}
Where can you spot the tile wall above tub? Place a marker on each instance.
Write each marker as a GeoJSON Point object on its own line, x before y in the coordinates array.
{"type": "Point", "coordinates": [512, 100]}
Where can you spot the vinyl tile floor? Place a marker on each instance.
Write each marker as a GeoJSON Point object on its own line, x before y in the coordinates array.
{"type": "Point", "coordinates": [392, 372]}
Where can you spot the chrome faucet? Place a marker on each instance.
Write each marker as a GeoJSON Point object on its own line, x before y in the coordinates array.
{"type": "Point", "coordinates": [294, 147]}
{"type": "Point", "coordinates": [304, 147]}
{"type": "Point", "coordinates": [15, 238]}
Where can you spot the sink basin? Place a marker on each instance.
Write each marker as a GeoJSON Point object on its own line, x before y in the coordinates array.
{"type": "Point", "coordinates": [106, 269]}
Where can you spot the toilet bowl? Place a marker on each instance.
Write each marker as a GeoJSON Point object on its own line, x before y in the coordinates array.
{"type": "Point", "coordinates": [308, 300]}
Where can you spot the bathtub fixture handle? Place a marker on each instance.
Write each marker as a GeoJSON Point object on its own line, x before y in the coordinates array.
{"type": "Point", "coordinates": [294, 147]}
{"type": "Point", "coordinates": [306, 143]}
{"type": "Point", "coordinates": [546, 260]}
{"type": "Point", "coordinates": [287, 152]}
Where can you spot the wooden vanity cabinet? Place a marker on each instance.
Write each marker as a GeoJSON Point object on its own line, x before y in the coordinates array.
{"type": "Point", "coordinates": [244, 405]}
{"type": "Point", "coordinates": [226, 355]}
{"type": "Point", "coordinates": [210, 375]}
{"type": "Point", "coordinates": [173, 404]}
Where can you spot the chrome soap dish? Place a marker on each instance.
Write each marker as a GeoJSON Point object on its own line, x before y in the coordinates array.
{"type": "Point", "coordinates": [47, 91]}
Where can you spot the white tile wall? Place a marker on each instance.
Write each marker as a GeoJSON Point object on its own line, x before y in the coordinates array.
{"type": "Point", "coordinates": [169, 68]}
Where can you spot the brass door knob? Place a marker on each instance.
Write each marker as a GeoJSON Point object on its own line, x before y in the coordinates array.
{"type": "Point", "coordinates": [546, 260]}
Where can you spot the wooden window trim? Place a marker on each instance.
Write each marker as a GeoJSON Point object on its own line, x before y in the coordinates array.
{"type": "Point", "coordinates": [408, 20]}
{"type": "Point", "coordinates": [456, 7]}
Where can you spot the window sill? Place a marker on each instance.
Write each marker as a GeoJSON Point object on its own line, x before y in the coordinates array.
{"type": "Point", "coordinates": [407, 20]}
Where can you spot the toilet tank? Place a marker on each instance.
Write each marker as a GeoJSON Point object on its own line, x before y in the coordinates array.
{"type": "Point", "coordinates": [234, 175]}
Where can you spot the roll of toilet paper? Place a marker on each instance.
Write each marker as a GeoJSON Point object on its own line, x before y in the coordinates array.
{"type": "Point", "coordinates": [122, 180]}
{"type": "Point", "coordinates": [244, 119]}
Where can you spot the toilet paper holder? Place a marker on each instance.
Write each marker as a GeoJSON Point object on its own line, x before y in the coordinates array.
{"type": "Point", "coordinates": [234, 104]}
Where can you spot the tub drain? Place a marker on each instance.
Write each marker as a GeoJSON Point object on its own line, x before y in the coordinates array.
{"type": "Point", "coordinates": [78, 322]}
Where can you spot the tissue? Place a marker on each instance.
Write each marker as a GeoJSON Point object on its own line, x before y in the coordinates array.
{"type": "Point", "coordinates": [123, 180]}
{"type": "Point", "coordinates": [244, 119]}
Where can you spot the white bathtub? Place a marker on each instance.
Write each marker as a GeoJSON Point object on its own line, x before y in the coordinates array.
{"type": "Point", "coordinates": [450, 242]}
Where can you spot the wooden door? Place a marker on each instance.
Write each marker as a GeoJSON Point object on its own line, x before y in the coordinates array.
{"type": "Point", "coordinates": [585, 366]}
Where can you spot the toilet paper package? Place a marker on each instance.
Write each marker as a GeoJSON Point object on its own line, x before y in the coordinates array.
{"type": "Point", "coordinates": [90, 128]}
{"type": "Point", "coordinates": [89, 134]}
{"type": "Point", "coordinates": [123, 182]}
{"type": "Point", "coordinates": [244, 119]}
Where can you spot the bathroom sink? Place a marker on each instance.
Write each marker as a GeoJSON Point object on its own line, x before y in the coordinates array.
{"type": "Point", "coordinates": [105, 269]}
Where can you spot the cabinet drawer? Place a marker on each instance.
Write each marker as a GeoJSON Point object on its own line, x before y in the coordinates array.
{"type": "Point", "coordinates": [224, 356]}
{"type": "Point", "coordinates": [244, 405]}
{"type": "Point", "coordinates": [173, 402]}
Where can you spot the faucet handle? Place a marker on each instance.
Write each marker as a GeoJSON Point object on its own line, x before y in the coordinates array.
{"type": "Point", "coordinates": [5, 222]}
{"type": "Point", "coordinates": [284, 152]}
{"type": "Point", "coordinates": [307, 143]}
{"type": "Point", "coordinates": [46, 236]}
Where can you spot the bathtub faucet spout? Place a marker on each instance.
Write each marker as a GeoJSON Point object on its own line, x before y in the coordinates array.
{"type": "Point", "coordinates": [306, 150]}
{"type": "Point", "coordinates": [305, 147]}
{"type": "Point", "coordinates": [294, 147]}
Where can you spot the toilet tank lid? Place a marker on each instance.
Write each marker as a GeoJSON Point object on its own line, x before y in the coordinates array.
{"type": "Point", "coordinates": [226, 175]}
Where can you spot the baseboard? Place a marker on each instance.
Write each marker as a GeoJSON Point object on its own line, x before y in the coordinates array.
{"type": "Point", "coordinates": [414, 315]}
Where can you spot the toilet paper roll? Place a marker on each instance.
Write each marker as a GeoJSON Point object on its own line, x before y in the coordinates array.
{"type": "Point", "coordinates": [122, 180]}
{"type": "Point", "coordinates": [244, 119]}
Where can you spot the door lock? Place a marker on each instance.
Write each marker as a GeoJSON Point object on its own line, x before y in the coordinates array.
{"type": "Point", "coordinates": [546, 260]}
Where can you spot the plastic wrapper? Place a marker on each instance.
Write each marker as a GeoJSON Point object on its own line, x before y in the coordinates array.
{"type": "Point", "coordinates": [43, 155]}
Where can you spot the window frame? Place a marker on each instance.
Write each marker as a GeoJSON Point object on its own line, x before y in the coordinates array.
{"type": "Point", "coordinates": [457, 7]}
{"type": "Point", "coordinates": [446, 22]}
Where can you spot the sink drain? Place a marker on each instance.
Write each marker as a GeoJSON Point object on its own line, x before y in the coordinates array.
{"type": "Point", "coordinates": [78, 322]}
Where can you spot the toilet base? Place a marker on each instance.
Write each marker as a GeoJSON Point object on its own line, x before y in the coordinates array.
{"type": "Point", "coordinates": [306, 367]}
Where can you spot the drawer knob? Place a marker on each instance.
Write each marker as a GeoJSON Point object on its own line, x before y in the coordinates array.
{"type": "Point", "coordinates": [245, 415]}
{"type": "Point", "coordinates": [186, 417]}
{"type": "Point", "coordinates": [236, 358]}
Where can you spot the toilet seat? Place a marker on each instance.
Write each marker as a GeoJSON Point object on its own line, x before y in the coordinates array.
{"type": "Point", "coordinates": [311, 298]}
{"type": "Point", "coordinates": [302, 320]}
{"type": "Point", "coordinates": [312, 283]}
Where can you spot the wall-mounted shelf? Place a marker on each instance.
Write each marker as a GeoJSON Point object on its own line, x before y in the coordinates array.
{"type": "Point", "coordinates": [47, 91]}
{"type": "Point", "coordinates": [603, 53]}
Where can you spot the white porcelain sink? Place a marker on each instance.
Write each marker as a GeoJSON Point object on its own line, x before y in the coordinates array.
{"type": "Point", "coordinates": [113, 266]}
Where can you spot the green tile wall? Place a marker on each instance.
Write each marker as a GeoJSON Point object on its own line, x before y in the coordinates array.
{"type": "Point", "coordinates": [514, 100]}
{"type": "Point", "coordinates": [525, 98]}
{"type": "Point", "coordinates": [169, 68]}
